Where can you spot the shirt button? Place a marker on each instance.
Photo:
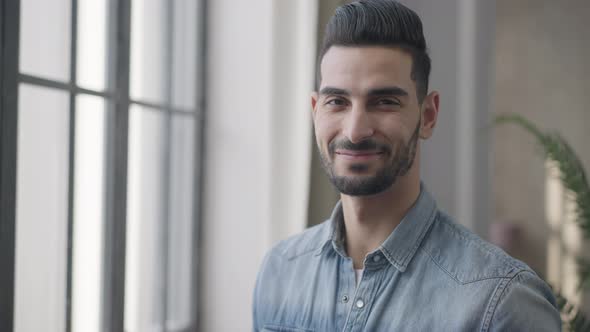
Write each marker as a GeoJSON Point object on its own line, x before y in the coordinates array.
{"type": "Point", "coordinates": [376, 258]}
{"type": "Point", "coordinates": [360, 303]}
{"type": "Point", "coordinates": [344, 298]}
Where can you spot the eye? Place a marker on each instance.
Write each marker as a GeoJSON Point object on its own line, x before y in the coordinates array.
{"type": "Point", "coordinates": [387, 101]}
{"type": "Point", "coordinates": [336, 102]}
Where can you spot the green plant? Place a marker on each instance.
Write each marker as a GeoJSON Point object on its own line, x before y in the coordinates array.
{"type": "Point", "coordinates": [573, 177]}
{"type": "Point", "coordinates": [574, 320]}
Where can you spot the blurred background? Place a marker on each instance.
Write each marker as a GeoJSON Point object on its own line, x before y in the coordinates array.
{"type": "Point", "coordinates": [153, 150]}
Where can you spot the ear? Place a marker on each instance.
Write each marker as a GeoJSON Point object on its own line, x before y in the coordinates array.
{"type": "Point", "coordinates": [314, 103]}
{"type": "Point", "coordinates": [429, 114]}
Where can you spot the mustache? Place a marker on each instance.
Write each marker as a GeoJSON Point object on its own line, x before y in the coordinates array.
{"type": "Point", "coordinates": [365, 145]}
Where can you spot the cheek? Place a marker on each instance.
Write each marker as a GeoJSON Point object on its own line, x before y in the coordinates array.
{"type": "Point", "coordinates": [325, 130]}
{"type": "Point", "coordinates": [396, 129]}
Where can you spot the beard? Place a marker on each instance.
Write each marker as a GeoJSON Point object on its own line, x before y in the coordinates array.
{"type": "Point", "coordinates": [399, 163]}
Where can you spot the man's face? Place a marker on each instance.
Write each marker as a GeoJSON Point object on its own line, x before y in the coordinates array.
{"type": "Point", "coordinates": [367, 117]}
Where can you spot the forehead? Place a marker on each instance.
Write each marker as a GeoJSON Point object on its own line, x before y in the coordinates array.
{"type": "Point", "coordinates": [359, 69]}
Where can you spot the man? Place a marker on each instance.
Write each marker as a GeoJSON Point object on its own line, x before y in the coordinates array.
{"type": "Point", "coordinates": [388, 259]}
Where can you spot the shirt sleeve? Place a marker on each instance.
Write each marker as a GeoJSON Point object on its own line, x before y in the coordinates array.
{"type": "Point", "coordinates": [256, 321]}
{"type": "Point", "coordinates": [523, 303]}
{"type": "Point", "coordinates": [255, 324]}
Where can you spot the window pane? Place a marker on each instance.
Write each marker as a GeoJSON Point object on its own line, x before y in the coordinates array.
{"type": "Point", "coordinates": [180, 223]}
{"type": "Point", "coordinates": [144, 284]}
{"type": "Point", "coordinates": [45, 38]}
{"type": "Point", "coordinates": [149, 36]}
{"type": "Point", "coordinates": [88, 213]}
{"type": "Point", "coordinates": [184, 53]}
{"type": "Point", "coordinates": [42, 209]}
{"type": "Point", "coordinates": [92, 44]}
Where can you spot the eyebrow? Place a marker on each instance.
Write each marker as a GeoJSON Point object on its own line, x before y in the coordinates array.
{"type": "Point", "coordinates": [385, 91]}
{"type": "Point", "coordinates": [333, 91]}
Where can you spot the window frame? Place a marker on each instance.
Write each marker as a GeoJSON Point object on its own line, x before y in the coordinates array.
{"type": "Point", "coordinates": [118, 96]}
{"type": "Point", "coordinates": [9, 27]}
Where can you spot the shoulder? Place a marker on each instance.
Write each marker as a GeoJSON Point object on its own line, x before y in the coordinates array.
{"type": "Point", "coordinates": [308, 241]}
{"type": "Point", "coordinates": [295, 247]}
{"type": "Point", "coordinates": [519, 299]}
{"type": "Point", "coordinates": [284, 262]}
{"type": "Point", "coordinates": [465, 256]}
{"type": "Point", "coordinates": [522, 303]}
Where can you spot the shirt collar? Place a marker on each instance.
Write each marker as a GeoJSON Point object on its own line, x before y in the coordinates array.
{"type": "Point", "coordinates": [401, 245]}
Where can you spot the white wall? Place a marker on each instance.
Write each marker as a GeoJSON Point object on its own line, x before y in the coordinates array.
{"type": "Point", "coordinates": [260, 74]}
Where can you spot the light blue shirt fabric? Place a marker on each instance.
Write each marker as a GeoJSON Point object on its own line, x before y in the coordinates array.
{"type": "Point", "coordinates": [429, 275]}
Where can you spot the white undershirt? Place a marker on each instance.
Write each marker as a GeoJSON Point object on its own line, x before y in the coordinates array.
{"type": "Point", "coordinates": [358, 275]}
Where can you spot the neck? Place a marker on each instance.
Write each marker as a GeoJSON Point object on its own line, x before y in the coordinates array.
{"type": "Point", "coordinates": [369, 220]}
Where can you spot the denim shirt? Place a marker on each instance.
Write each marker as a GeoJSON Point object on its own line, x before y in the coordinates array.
{"type": "Point", "coordinates": [430, 274]}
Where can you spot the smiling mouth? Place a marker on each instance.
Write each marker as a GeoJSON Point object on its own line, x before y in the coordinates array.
{"type": "Point", "coordinates": [358, 155]}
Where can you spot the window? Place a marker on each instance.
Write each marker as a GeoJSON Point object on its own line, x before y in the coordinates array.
{"type": "Point", "coordinates": [102, 228]}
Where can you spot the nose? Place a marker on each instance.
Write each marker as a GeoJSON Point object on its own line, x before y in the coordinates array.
{"type": "Point", "coordinates": [358, 126]}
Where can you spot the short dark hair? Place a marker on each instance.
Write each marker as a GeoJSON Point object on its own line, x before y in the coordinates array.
{"type": "Point", "coordinates": [380, 23]}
